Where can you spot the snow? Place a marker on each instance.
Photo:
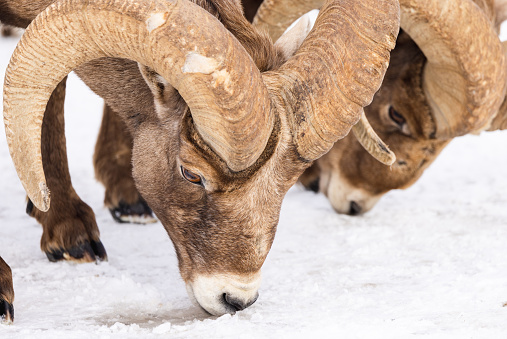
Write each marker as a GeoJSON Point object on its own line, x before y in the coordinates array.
{"type": "Point", "coordinates": [429, 261]}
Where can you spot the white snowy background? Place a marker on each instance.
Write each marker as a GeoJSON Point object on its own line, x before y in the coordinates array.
{"type": "Point", "coordinates": [429, 261]}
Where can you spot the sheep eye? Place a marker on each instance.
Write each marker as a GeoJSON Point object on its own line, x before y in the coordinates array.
{"type": "Point", "coordinates": [190, 176]}
{"type": "Point", "coordinates": [396, 117]}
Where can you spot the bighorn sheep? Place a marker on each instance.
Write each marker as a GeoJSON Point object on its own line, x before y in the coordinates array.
{"type": "Point", "coordinates": [215, 171]}
{"type": "Point", "coordinates": [6, 292]}
{"type": "Point", "coordinates": [446, 78]}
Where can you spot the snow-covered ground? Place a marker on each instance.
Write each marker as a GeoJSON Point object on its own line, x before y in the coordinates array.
{"type": "Point", "coordinates": [430, 261]}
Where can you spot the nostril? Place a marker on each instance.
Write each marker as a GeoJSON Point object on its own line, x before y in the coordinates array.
{"type": "Point", "coordinates": [314, 185]}
{"type": "Point", "coordinates": [237, 304]}
{"type": "Point", "coordinates": [355, 208]}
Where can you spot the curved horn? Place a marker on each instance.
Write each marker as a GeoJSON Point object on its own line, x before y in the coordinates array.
{"type": "Point", "coordinates": [276, 15]}
{"type": "Point", "coordinates": [464, 78]}
{"type": "Point", "coordinates": [178, 39]}
{"type": "Point", "coordinates": [336, 71]}
{"type": "Point", "coordinates": [372, 143]}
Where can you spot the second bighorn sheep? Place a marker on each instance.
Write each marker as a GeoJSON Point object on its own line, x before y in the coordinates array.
{"type": "Point", "coordinates": [447, 77]}
{"type": "Point", "coordinates": [216, 143]}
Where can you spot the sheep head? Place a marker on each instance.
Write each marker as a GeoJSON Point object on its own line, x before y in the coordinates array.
{"type": "Point", "coordinates": [446, 79]}
{"type": "Point", "coordinates": [218, 144]}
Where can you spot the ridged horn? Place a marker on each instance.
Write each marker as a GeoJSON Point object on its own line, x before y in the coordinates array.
{"type": "Point", "coordinates": [336, 71]}
{"type": "Point", "coordinates": [275, 16]}
{"type": "Point", "coordinates": [372, 143]}
{"type": "Point", "coordinates": [464, 77]}
{"type": "Point", "coordinates": [179, 40]}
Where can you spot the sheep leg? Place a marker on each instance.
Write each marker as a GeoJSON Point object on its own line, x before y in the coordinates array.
{"type": "Point", "coordinates": [113, 168]}
{"type": "Point", "coordinates": [70, 231]}
{"type": "Point", "coordinates": [6, 293]}
{"type": "Point", "coordinates": [5, 30]}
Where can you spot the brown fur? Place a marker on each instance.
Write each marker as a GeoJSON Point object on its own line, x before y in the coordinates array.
{"type": "Point", "coordinates": [204, 221]}
{"type": "Point", "coordinates": [415, 145]}
{"type": "Point", "coordinates": [6, 290]}
{"type": "Point", "coordinates": [212, 227]}
{"type": "Point", "coordinates": [225, 225]}
{"type": "Point", "coordinates": [250, 8]}
{"type": "Point", "coordinates": [71, 222]}
{"type": "Point", "coordinates": [6, 293]}
{"type": "Point", "coordinates": [401, 89]}
{"type": "Point", "coordinates": [500, 11]}
{"type": "Point", "coordinates": [113, 160]}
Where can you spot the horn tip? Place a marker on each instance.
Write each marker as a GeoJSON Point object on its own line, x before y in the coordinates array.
{"type": "Point", "coordinates": [388, 157]}
{"type": "Point", "coordinates": [391, 158]}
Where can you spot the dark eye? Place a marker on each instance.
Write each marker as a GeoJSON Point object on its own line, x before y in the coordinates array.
{"type": "Point", "coordinates": [396, 117]}
{"type": "Point", "coordinates": [191, 176]}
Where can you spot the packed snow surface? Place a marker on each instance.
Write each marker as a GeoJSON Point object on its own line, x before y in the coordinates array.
{"type": "Point", "coordinates": [429, 261]}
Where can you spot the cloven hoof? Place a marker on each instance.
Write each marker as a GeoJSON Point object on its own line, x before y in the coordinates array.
{"type": "Point", "coordinates": [137, 213]}
{"type": "Point", "coordinates": [85, 252]}
{"type": "Point", "coordinates": [6, 312]}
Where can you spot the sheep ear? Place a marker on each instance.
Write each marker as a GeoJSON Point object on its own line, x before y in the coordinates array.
{"type": "Point", "coordinates": [290, 41]}
{"type": "Point", "coordinates": [165, 96]}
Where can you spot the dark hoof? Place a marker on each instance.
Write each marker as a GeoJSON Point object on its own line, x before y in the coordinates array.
{"type": "Point", "coordinates": [99, 250]}
{"type": "Point", "coordinates": [6, 311]}
{"type": "Point", "coordinates": [86, 252]}
{"type": "Point", "coordinates": [138, 213]}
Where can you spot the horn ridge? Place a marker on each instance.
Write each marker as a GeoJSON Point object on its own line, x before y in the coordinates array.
{"type": "Point", "coordinates": [347, 69]}
{"type": "Point", "coordinates": [159, 34]}
{"type": "Point", "coordinates": [464, 77]}
{"type": "Point", "coordinates": [372, 143]}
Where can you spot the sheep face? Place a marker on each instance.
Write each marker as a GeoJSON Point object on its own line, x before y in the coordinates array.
{"type": "Point", "coordinates": [354, 181]}
{"type": "Point", "coordinates": [222, 223]}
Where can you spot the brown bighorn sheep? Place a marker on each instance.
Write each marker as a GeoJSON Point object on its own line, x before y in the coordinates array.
{"type": "Point", "coordinates": [216, 144]}
{"type": "Point", "coordinates": [422, 105]}
{"type": "Point", "coordinates": [446, 78]}
{"type": "Point", "coordinates": [6, 292]}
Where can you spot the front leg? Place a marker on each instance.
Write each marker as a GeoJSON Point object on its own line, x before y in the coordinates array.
{"type": "Point", "coordinates": [70, 231]}
{"type": "Point", "coordinates": [6, 293]}
{"type": "Point", "coordinates": [113, 168]}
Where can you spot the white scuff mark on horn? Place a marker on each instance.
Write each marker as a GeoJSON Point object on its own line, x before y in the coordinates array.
{"type": "Point", "coordinates": [196, 63]}
{"type": "Point", "coordinates": [222, 78]}
{"type": "Point", "coordinates": [156, 20]}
